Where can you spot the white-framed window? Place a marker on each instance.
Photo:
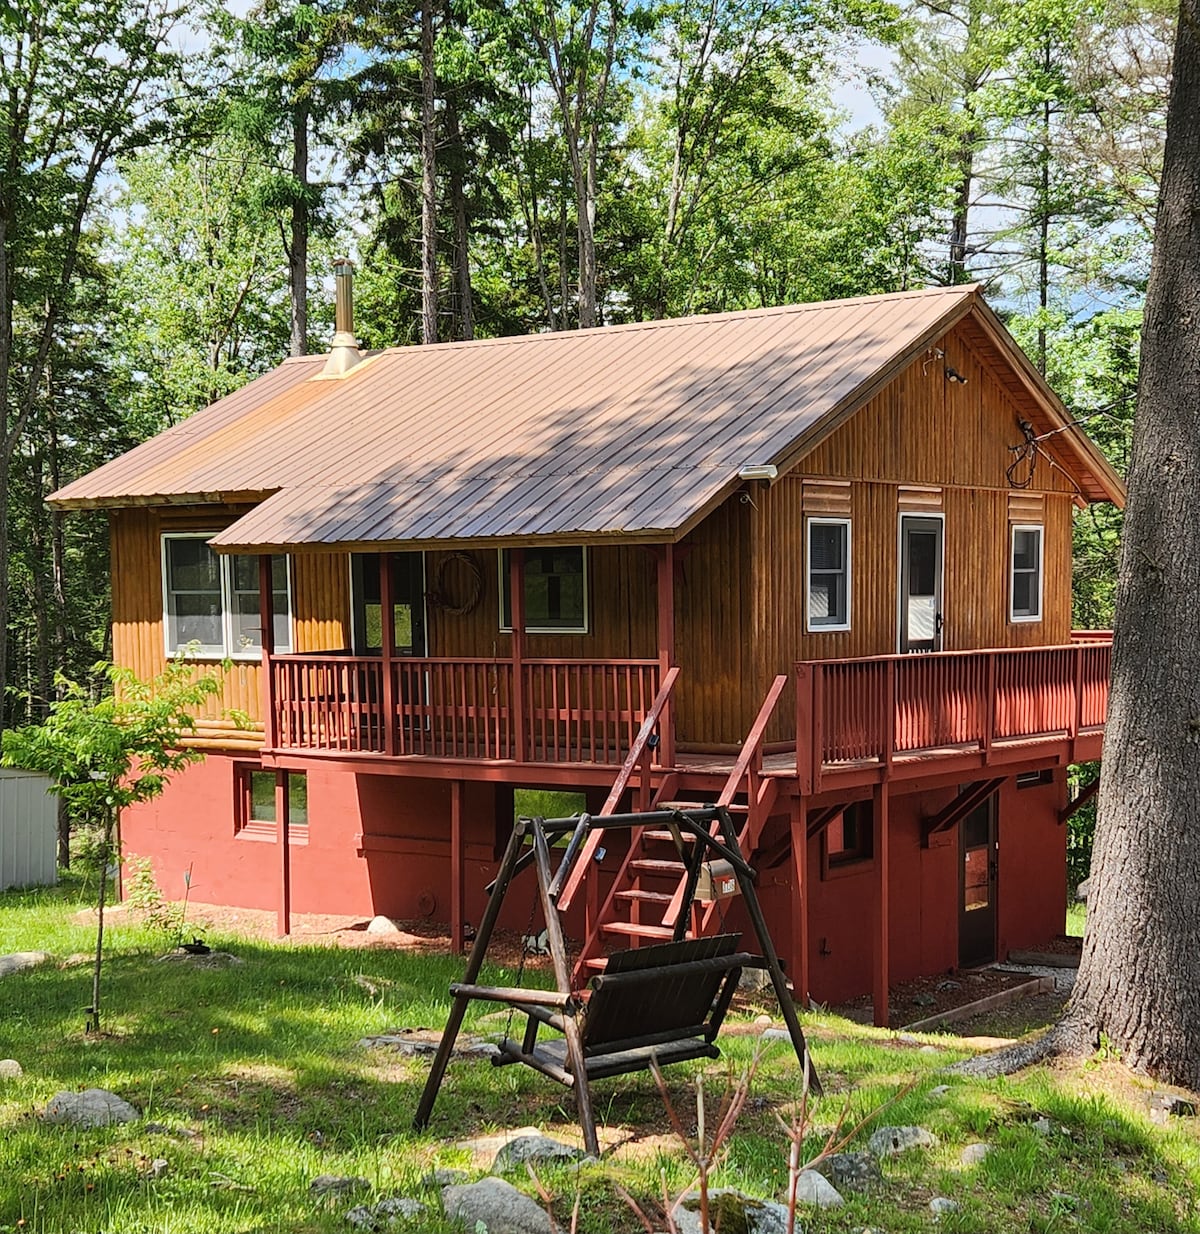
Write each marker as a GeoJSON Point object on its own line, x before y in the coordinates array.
{"type": "Point", "coordinates": [556, 590]}
{"type": "Point", "coordinates": [210, 603]}
{"type": "Point", "coordinates": [1025, 573]}
{"type": "Point", "coordinates": [828, 606]}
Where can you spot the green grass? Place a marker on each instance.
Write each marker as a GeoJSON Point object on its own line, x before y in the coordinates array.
{"type": "Point", "coordinates": [256, 1073]}
{"type": "Point", "coordinates": [1076, 916]}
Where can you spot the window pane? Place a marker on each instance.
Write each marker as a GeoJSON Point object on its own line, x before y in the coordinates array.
{"type": "Point", "coordinates": [1026, 546]}
{"type": "Point", "coordinates": [262, 796]}
{"type": "Point", "coordinates": [827, 546]}
{"type": "Point", "coordinates": [192, 566]}
{"type": "Point", "coordinates": [555, 591]}
{"type": "Point", "coordinates": [298, 798]}
{"type": "Point", "coordinates": [1024, 594]}
{"type": "Point", "coordinates": [827, 600]}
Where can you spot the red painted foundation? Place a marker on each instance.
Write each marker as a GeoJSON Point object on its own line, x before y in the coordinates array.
{"type": "Point", "coordinates": [381, 844]}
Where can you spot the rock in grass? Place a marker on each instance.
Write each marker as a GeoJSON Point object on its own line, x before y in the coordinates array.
{"type": "Point", "coordinates": [496, 1205]}
{"type": "Point", "coordinates": [385, 1213]}
{"type": "Point", "coordinates": [337, 1185]}
{"type": "Point", "coordinates": [891, 1141]}
{"type": "Point", "coordinates": [18, 961]}
{"type": "Point", "coordinates": [94, 1107]}
{"type": "Point", "coordinates": [973, 1154]}
{"type": "Point", "coordinates": [730, 1209]}
{"type": "Point", "coordinates": [447, 1176]}
{"type": "Point", "coordinates": [533, 1148]}
{"type": "Point", "coordinates": [940, 1205]}
{"type": "Point", "coordinates": [814, 1188]}
{"type": "Point", "coordinates": [10, 1069]}
{"type": "Point", "coordinates": [851, 1171]}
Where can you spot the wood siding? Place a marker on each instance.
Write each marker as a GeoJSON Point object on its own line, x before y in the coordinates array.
{"type": "Point", "coordinates": [740, 581]}
{"type": "Point", "coordinates": [320, 595]}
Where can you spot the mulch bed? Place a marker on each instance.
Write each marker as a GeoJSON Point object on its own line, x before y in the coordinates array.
{"type": "Point", "coordinates": [925, 997]}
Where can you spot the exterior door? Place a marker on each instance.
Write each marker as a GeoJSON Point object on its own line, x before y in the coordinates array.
{"type": "Point", "coordinates": [978, 853]}
{"type": "Point", "coordinates": [408, 604]}
{"type": "Point", "coordinates": [921, 565]}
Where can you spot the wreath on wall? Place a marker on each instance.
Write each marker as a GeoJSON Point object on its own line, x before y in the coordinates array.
{"type": "Point", "coordinates": [456, 591]}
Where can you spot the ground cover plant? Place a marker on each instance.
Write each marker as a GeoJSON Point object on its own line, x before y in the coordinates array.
{"type": "Point", "coordinates": [252, 1082]}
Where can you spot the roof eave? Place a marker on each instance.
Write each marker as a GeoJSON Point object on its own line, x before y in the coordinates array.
{"type": "Point", "coordinates": [138, 500]}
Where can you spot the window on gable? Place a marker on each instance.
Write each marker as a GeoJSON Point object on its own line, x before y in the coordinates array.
{"type": "Point", "coordinates": [555, 590]}
{"type": "Point", "coordinates": [828, 574]}
{"type": "Point", "coordinates": [211, 603]}
{"type": "Point", "coordinates": [1025, 592]}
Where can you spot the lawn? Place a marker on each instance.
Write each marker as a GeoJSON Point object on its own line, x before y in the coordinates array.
{"type": "Point", "coordinates": [255, 1079]}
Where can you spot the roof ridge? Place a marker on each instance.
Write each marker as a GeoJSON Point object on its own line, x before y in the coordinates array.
{"type": "Point", "coordinates": [694, 319]}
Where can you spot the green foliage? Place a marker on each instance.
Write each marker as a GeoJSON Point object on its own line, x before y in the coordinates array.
{"type": "Point", "coordinates": [108, 753]}
{"type": "Point", "coordinates": [145, 898]}
{"type": "Point", "coordinates": [1081, 827]}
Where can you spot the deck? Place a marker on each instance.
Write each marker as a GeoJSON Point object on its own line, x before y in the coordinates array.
{"type": "Point", "coordinates": [857, 721]}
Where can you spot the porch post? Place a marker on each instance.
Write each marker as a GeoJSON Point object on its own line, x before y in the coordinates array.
{"type": "Point", "coordinates": [387, 614]}
{"type": "Point", "coordinates": [283, 925]}
{"type": "Point", "coordinates": [800, 990]}
{"type": "Point", "coordinates": [266, 610]}
{"type": "Point", "coordinates": [666, 647]}
{"type": "Point", "coordinates": [457, 930]}
{"type": "Point", "coordinates": [516, 584]}
{"type": "Point", "coordinates": [879, 817]}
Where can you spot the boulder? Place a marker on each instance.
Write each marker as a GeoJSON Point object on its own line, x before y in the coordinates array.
{"type": "Point", "coordinates": [495, 1205]}
{"type": "Point", "coordinates": [94, 1107]}
{"type": "Point", "coordinates": [815, 1188]}
{"type": "Point", "coordinates": [891, 1141]}
{"type": "Point", "coordinates": [940, 1205]}
{"type": "Point", "coordinates": [533, 1148]}
{"type": "Point", "coordinates": [337, 1185]}
{"type": "Point", "coordinates": [445, 1177]}
{"type": "Point", "coordinates": [973, 1154]}
{"type": "Point", "coordinates": [730, 1209]}
{"type": "Point", "coordinates": [18, 961]}
{"type": "Point", "coordinates": [851, 1171]}
{"type": "Point", "coordinates": [385, 1213]}
{"type": "Point", "coordinates": [10, 1069]}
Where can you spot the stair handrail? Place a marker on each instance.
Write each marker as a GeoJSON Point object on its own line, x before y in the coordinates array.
{"type": "Point", "coordinates": [641, 743]}
{"type": "Point", "coordinates": [751, 752]}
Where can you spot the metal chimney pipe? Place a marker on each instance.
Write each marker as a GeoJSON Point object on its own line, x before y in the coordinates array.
{"type": "Point", "coordinates": [344, 353]}
{"type": "Point", "coordinates": [343, 313]}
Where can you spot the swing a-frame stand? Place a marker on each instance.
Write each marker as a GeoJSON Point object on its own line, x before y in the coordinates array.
{"type": "Point", "coordinates": [663, 1003]}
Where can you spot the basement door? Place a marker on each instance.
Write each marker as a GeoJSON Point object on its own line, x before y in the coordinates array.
{"type": "Point", "coordinates": [921, 566]}
{"type": "Point", "coordinates": [978, 851]}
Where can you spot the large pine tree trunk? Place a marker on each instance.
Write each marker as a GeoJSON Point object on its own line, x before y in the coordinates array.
{"type": "Point", "coordinates": [429, 278]}
{"type": "Point", "coordinates": [1139, 983]}
{"type": "Point", "coordinates": [298, 249]}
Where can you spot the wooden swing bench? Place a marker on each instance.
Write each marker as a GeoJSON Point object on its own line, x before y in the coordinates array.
{"type": "Point", "coordinates": [657, 1004]}
{"type": "Point", "coordinates": [664, 1003]}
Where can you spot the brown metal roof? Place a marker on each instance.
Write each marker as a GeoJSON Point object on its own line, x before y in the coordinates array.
{"type": "Point", "coordinates": [634, 430]}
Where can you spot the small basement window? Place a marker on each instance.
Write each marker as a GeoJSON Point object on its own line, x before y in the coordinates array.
{"type": "Point", "coordinates": [1025, 594]}
{"type": "Point", "coordinates": [849, 838]}
{"type": "Point", "coordinates": [256, 804]}
{"type": "Point", "coordinates": [828, 574]}
{"type": "Point", "coordinates": [556, 595]}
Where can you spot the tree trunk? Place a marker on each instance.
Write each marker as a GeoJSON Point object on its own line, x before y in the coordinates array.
{"type": "Point", "coordinates": [429, 287]}
{"type": "Point", "coordinates": [1139, 983]}
{"type": "Point", "coordinates": [462, 235]}
{"type": "Point", "coordinates": [298, 252]}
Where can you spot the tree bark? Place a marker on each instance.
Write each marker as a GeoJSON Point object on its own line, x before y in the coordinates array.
{"type": "Point", "coordinates": [429, 276]}
{"type": "Point", "coordinates": [298, 250]}
{"type": "Point", "coordinates": [462, 234]}
{"type": "Point", "coordinates": [1139, 982]}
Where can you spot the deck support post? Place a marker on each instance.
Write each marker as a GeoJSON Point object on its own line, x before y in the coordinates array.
{"type": "Point", "coordinates": [880, 838]}
{"type": "Point", "coordinates": [266, 610]}
{"type": "Point", "coordinates": [666, 647]}
{"type": "Point", "coordinates": [387, 614]}
{"type": "Point", "coordinates": [457, 927]}
{"type": "Point", "coordinates": [800, 902]}
{"type": "Point", "coordinates": [516, 583]}
{"type": "Point", "coordinates": [283, 924]}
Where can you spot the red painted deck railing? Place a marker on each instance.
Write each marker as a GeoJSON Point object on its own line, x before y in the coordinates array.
{"type": "Point", "coordinates": [873, 710]}
{"type": "Point", "coordinates": [574, 710]}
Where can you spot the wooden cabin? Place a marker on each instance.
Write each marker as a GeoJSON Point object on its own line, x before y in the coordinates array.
{"type": "Point", "coordinates": [814, 561]}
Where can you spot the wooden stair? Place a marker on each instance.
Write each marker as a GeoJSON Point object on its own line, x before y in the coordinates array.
{"type": "Point", "coordinates": [646, 901]}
